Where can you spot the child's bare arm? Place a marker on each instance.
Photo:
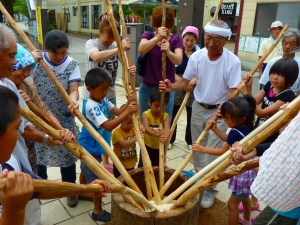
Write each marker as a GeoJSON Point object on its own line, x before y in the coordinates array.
{"type": "Point", "coordinates": [127, 143]}
{"type": "Point", "coordinates": [148, 130]}
{"type": "Point", "coordinates": [116, 111]}
{"type": "Point", "coordinates": [18, 191]}
{"type": "Point", "coordinates": [212, 151]}
{"type": "Point", "coordinates": [268, 111]}
{"type": "Point", "coordinates": [217, 131]}
{"type": "Point", "coordinates": [112, 124]}
{"type": "Point", "coordinates": [260, 96]}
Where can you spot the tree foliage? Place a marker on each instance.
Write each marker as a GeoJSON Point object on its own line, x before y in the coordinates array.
{"type": "Point", "coordinates": [139, 11]}
{"type": "Point", "coordinates": [126, 11]}
{"type": "Point", "coordinates": [20, 6]}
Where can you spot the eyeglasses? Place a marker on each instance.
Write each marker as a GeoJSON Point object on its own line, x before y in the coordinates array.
{"type": "Point", "coordinates": [216, 40]}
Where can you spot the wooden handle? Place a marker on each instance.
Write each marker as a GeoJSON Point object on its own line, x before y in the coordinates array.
{"type": "Point", "coordinates": [186, 98]}
{"type": "Point", "coordinates": [149, 175]}
{"type": "Point", "coordinates": [217, 10]}
{"type": "Point", "coordinates": [189, 194]}
{"type": "Point", "coordinates": [162, 106]}
{"type": "Point", "coordinates": [61, 187]}
{"type": "Point", "coordinates": [161, 168]}
{"type": "Point", "coordinates": [187, 159]}
{"type": "Point", "coordinates": [129, 59]}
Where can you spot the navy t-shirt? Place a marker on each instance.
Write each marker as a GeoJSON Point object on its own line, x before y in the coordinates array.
{"type": "Point", "coordinates": [236, 134]}
{"type": "Point", "coordinates": [24, 170]}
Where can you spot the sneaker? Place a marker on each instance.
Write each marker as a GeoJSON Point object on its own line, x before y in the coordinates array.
{"type": "Point", "coordinates": [104, 217]}
{"type": "Point", "coordinates": [206, 202]}
{"type": "Point", "coordinates": [253, 207]}
{"type": "Point", "coordinates": [170, 146]}
{"type": "Point", "coordinates": [72, 201]}
{"type": "Point", "coordinates": [243, 221]}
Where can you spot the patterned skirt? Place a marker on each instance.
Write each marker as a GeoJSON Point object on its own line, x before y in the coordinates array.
{"type": "Point", "coordinates": [241, 183]}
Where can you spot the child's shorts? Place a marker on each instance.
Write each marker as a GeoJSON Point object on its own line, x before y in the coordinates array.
{"type": "Point", "coordinates": [153, 155]}
{"type": "Point", "coordinates": [240, 196]}
{"type": "Point", "coordinates": [87, 172]}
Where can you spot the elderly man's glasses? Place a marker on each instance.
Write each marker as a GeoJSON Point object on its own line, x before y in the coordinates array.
{"type": "Point", "coordinates": [216, 40]}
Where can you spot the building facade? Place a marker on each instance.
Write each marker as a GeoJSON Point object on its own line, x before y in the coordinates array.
{"type": "Point", "coordinates": [82, 16]}
{"type": "Point", "coordinates": [256, 20]}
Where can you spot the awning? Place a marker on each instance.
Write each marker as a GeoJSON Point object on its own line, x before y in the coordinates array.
{"type": "Point", "coordinates": [172, 3]}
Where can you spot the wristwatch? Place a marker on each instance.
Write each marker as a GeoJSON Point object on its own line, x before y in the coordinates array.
{"type": "Point", "coordinates": [45, 138]}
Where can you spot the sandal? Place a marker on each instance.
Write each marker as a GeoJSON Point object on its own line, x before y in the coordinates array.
{"type": "Point", "coordinates": [110, 168]}
{"type": "Point", "coordinates": [253, 207]}
{"type": "Point", "coordinates": [104, 217]}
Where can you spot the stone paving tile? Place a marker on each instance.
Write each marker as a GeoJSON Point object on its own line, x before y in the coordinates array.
{"type": "Point", "coordinates": [84, 218]}
{"type": "Point", "coordinates": [54, 212]}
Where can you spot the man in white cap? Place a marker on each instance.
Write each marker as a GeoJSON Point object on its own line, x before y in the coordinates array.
{"type": "Point", "coordinates": [275, 30]}
{"type": "Point", "coordinates": [217, 71]}
{"type": "Point", "coordinates": [290, 40]}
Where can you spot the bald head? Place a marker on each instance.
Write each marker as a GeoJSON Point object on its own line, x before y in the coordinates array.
{"type": "Point", "coordinates": [218, 23]}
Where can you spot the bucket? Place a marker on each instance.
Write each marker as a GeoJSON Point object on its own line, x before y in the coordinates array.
{"type": "Point", "coordinates": [189, 174]}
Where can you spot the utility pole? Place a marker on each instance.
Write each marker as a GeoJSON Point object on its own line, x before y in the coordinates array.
{"type": "Point", "coordinates": [238, 30]}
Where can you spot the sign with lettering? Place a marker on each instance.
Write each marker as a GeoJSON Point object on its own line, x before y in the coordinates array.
{"type": "Point", "coordinates": [228, 9]}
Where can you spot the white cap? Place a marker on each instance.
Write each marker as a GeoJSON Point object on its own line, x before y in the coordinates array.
{"type": "Point", "coordinates": [276, 24]}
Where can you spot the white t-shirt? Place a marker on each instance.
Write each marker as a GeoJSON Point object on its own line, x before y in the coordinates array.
{"type": "Point", "coordinates": [266, 74]}
{"type": "Point", "coordinates": [110, 65]}
{"type": "Point", "coordinates": [74, 76]}
{"type": "Point", "coordinates": [214, 78]}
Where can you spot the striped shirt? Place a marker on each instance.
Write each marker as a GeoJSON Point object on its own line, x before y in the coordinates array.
{"type": "Point", "coordinates": [278, 181]}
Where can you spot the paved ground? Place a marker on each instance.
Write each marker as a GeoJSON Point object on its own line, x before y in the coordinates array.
{"type": "Point", "coordinates": [56, 211]}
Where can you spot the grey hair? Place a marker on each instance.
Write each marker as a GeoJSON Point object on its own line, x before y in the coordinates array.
{"type": "Point", "coordinates": [5, 34]}
{"type": "Point", "coordinates": [218, 23]}
{"type": "Point", "coordinates": [292, 32]}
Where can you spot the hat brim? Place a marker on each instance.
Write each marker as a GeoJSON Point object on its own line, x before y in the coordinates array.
{"type": "Point", "coordinates": [295, 50]}
{"type": "Point", "coordinates": [274, 27]}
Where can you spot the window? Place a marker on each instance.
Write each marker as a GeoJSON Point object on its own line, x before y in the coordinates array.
{"type": "Point", "coordinates": [74, 10]}
{"type": "Point", "coordinates": [267, 13]}
{"type": "Point", "coordinates": [84, 17]}
{"type": "Point", "coordinates": [96, 11]}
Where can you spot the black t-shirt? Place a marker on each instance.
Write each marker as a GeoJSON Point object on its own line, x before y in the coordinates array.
{"type": "Point", "coordinates": [286, 95]}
